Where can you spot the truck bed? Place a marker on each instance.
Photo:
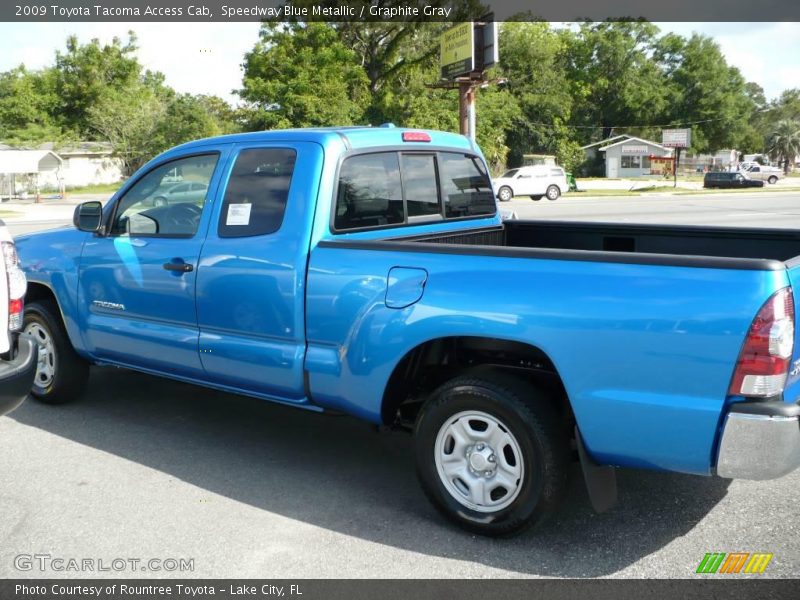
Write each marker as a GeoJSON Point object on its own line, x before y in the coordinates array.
{"type": "Point", "coordinates": [723, 247]}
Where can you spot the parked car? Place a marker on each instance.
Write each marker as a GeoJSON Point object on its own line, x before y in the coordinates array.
{"type": "Point", "coordinates": [18, 353]}
{"type": "Point", "coordinates": [188, 191]}
{"type": "Point", "coordinates": [765, 173]}
{"type": "Point", "coordinates": [724, 179]}
{"type": "Point", "coordinates": [536, 181]}
{"type": "Point", "coordinates": [367, 271]}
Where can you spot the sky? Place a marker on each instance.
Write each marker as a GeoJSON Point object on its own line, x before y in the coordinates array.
{"type": "Point", "coordinates": [205, 58]}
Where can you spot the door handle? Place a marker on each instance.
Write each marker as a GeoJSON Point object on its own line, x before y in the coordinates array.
{"type": "Point", "coordinates": [178, 267]}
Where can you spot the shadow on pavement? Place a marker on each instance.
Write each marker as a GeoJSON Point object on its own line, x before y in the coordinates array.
{"type": "Point", "coordinates": [337, 473]}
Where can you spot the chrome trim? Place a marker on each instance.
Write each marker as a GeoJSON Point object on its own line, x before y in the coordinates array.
{"type": "Point", "coordinates": [758, 447]}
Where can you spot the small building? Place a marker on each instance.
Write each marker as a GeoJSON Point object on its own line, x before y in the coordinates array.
{"type": "Point", "coordinates": [27, 170]}
{"type": "Point", "coordinates": [629, 156]}
{"type": "Point", "coordinates": [592, 149]}
{"type": "Point", "coordinates": [88, 163]}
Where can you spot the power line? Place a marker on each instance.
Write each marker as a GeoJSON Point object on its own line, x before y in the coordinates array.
{"type": "Point", "coordinates": [643, 126]}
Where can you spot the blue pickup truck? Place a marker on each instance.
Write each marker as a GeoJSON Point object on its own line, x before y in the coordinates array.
{"type": "Point", "coordinates": [366, 271]}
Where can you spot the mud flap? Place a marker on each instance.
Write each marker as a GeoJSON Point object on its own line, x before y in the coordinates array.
{"type": "Point", "coordinates": [601, 481]}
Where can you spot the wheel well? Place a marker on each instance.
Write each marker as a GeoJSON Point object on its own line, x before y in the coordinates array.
{"type": "Point", "coordinates": [430, 364]}
{"type": "Point", "coordinates": [37, 292]}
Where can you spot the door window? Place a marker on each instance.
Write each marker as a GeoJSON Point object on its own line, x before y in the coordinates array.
{"type": "Point", "coordinates": [370, 193]}
{"type": "Point", "coordinates": [158, 206]}
{"type": "Point", "coordinates": [257, 193]}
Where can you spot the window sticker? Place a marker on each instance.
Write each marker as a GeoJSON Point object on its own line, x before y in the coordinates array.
{"type": "Point", "coordinates": [238, 214]}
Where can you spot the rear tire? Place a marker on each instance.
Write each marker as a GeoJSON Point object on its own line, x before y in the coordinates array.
{"type": "Point", "coordinates": [505, 194]}
{"type": "Point", "coordinates": [61, 374]}
{"type": "Point", "coordinates": [553, 192]}
{"type": "Point", "coordinates": [773, 180]}
{"type": "Point", "coordinates": [491, 454]}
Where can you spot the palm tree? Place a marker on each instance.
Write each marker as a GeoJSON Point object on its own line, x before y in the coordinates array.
{"type": "Point", "coordinates": [784, 143]}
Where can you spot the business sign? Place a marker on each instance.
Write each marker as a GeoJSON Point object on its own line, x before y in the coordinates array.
{"type": "Point", "coordinates": [676, 138]}
{"type": "Point", "coordinates": [662, 165]}
{"type": "Point", "coordinates": [635, 149]}
{"type": "Point", "coordinates": [456, 56]}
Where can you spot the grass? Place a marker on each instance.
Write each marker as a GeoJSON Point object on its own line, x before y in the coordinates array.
{"type": "Point", "coordinates": [8, 213]}
{"type": "Point", "coordinates": [102, 188]}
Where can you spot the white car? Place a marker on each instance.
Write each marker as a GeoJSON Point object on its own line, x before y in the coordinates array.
{"type": "Point", "coordinates": [537, 181]}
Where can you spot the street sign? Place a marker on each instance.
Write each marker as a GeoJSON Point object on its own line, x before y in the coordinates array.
{"type": "Point", "coordinates": [676, 138]}
{"type": "Point", "coordinates": [456, 57]}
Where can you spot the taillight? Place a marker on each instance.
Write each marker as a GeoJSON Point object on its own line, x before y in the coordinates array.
{"type": "Point", "coordinates": [17, 285]}
{"type": "Point", "coordinates": [763, 363]}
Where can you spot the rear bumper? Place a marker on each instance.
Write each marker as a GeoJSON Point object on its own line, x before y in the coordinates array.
{"type": "Point", "coordinates": [16, 375]}
{"type": "Point", "coordinates": [760, 440]}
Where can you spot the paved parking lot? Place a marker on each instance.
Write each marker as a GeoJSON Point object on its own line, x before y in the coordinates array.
{"type": "Point", "coordinates": [144, 468]}
{"type": "Point", "coordinates": [147, 468]}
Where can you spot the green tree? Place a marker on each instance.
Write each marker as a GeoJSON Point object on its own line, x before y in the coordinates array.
{"type": "Point", "coordinates": [613, 80]}
{"type": "Point", "coordinates": [533, 64]}
{"type": "Point", "coordinates": [132, 121]}
{"type": "Point", "coordinates": [783, 143]}
{"type": "Point", "coordinates": [28, 103]}
{"type": "Point", "coordinates": [85, 73]}
{"type": "Point", "coordinates": [302, 75]}
{"type": "Point", "coordinates": [705, 92]}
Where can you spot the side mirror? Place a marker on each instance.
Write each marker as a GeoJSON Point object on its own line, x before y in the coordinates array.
{"type": "Point", "coordinates": [88, 217]}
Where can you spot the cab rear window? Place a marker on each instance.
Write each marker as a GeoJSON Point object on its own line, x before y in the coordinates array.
{"type": "Point", "coordinates": [386, 189]}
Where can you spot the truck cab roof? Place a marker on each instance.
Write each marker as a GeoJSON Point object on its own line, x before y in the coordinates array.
{"type": "Point", "coordinates": [355, 137]}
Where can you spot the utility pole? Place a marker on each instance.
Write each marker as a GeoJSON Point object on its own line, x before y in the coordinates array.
{"type": "Point", "coordinates": [468, 49]}
{"type": "Point", "coordinates": [466, 109]}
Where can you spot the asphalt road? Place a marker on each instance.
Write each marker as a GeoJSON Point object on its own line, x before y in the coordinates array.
{"type": "Point", "coordinates": [147, 468]}
{"type": "Point", "coordinates": [730, 210]}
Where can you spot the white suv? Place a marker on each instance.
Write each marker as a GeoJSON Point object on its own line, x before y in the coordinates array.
{"type": "Point", "coordinates": [18, 353]}
{"type": "Point", "coordinates": [537, 181]}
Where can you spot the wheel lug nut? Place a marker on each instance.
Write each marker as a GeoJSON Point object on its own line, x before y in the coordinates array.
{"type": "Point", "coordinates": [491, 458]}
{"type": "Point", "coordinates": [488, 473]}
{"type": "Point", "coordinates": [480, 447]}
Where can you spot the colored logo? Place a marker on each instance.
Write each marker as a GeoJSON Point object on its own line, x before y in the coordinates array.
{"type": "Point", "coordinates": [735, 562]}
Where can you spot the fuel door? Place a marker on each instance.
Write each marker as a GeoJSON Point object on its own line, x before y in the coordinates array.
{"type": "Point", "coordinates": [404, 286]}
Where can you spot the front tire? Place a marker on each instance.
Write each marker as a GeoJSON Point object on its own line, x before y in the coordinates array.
{"type": "Point", "coordinates": [61, 373]}
{"type": "Point", "coordinates": [553, 192]}
{"type": "Point", "coordinates": [491, 454]}
{"type": "Point", "coordinates": [160, 202]}
{"type": "Point", "coordinates": [505, 194]}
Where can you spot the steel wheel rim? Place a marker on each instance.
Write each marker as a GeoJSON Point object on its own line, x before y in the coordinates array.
{"type": "Point", "coordinates": [552, 193]}
{"type": "Point", "coordinates": [46, 364]}
{"type": "Point", "coordinates": [479, 461]}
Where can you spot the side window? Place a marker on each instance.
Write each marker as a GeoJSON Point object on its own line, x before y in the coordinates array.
{"type": "Point", "coordinates": [153, 207]}
{"type": "Point", "coordinates": [257, 193]}
{"type": "Point", "coordinates": [419, 185]}
{"type": "Point", "coordinates": [466, 186]}
{"type": "Point", "coordinates": [370, 193]}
